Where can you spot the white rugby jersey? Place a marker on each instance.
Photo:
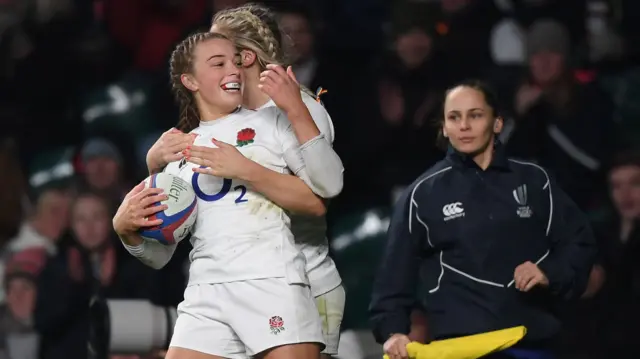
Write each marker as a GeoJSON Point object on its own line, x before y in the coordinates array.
{"type": "Point", "coordinates": [311, 232]}
{"type": "Point", "coordinates": [239, 234]}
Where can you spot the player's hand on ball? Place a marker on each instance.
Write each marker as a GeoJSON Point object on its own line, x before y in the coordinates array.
{"type": "Point", "coordinates": [282, 87]}
{"type": "Point", "coordinates": [396, 346]}
{"type": "Point", "coordinates": [136, 207]}
{"type": "Point", "coordinates": [168, 148]}
{"type": "Point", "coordinates": [528, 275]}
{"type": "Point", "coordinates": [225, 161]}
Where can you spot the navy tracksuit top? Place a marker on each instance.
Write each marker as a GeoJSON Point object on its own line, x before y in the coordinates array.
{"type": "Point", "coordinates": [462, 231]}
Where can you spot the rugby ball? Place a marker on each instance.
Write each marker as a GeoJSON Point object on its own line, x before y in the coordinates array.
{"type": "Point", "coordinates": [180, 215]}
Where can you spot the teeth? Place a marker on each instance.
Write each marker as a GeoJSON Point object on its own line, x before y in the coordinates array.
{"type": "Point", "coordinates": [231, 86]}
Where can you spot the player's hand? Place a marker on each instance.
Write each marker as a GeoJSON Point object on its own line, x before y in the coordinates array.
{"type": "Point", "coordinates": [136, 207]}
{"type": "Point", "coordinates": [168, 148]}
{"type": "Point", "coordinates": [282, 87]}
{"type": "Point", "coordinates": [528, 275]}
{"type": "Point", "coordinates": [396, 346]}
{"type": "Point", "coordinates": [225, 161]}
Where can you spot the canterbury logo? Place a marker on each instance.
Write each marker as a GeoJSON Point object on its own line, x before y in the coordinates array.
{"type": "Point", "coordinates": [453, 210]}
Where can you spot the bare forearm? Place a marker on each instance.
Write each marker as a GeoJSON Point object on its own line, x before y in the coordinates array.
{"type": "Point", "coordinates": [303, 125]}
{"type": "Point", "coordinates": [287, 191]}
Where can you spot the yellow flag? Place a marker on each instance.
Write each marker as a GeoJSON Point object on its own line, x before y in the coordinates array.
{"type": "Point", "coordinates": [469, 347]}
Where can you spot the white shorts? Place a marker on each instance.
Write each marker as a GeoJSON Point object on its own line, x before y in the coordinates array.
{"type": "Point", "coordinates": [242, 319]}
{"type": "Point", "coordinates": [331, 309]}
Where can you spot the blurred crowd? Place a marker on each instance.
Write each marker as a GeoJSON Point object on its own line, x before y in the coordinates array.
{"type": "Point", "coordinates": [84, 93]}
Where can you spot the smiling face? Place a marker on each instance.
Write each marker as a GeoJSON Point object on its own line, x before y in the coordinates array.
{"type": "Point", "coordinates": [215, 78]}
{"type": "Point", "coordinates": [469, 121]}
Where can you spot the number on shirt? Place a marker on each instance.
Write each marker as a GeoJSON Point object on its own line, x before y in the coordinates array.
{"type": "Point", "coordinates": [226, 188]}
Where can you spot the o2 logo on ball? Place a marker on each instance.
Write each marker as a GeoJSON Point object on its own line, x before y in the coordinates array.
{"type": "Point", "coordinates": [226, 188]}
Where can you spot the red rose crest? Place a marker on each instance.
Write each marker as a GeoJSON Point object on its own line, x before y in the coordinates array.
{"type": "Point", "coordinates": [245, 137]}
{"type": "Point", "coordinates": [276, 324]}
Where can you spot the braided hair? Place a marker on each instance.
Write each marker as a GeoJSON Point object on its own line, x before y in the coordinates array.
{"type": "Point", "coordinates": [181, 62]}
{"type": "Point", "coordinates": [255, 28]}
{"type": "Point", "coordinates": [245, 25]}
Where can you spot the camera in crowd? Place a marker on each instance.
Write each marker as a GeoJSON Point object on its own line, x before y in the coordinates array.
{"type": "Point", "coordinates": [125, 326]}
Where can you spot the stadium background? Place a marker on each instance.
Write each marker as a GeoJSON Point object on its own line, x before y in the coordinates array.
{"type": "Point", "coordinates": [84, 93]}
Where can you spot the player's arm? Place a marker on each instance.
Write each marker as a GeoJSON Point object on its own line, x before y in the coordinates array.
{"type": "Point", "coordinates": [295, 160]}
{"type": "Point", "coordinates": [287, 191]}
{"type": "Point", "coordinates": [131, 216]}
{"type": "Point", "coordinates": [322, 163]}
{"type": "Point", "coordinates": [283, 88]}
{"type": "Point", "coordinates": [324, 170]}
{"type": "Point", "coordinates": [150, 252]}
{"type": "Point", "coordinates": [394, 289]}
{"type": "Point", "coordinates": [573, 245]}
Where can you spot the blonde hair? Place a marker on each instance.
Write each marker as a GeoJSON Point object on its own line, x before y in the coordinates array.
{"type": "Point", "coordinates": [247, 26]}
{"type": "Point", "coordinates": [182, 63]}
{"type": "Point", "coordinates": [255, 28]}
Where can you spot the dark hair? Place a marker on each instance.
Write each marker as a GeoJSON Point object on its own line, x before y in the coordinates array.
{"type": "Point", "coordinates": [624, 159]}
{"type": "Point", "coordinates": [182, 63]}
{"type": "Point", "coordinates": [490, 98]}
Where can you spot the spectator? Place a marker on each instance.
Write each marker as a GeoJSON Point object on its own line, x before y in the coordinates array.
{"type": "Point", "coordinates": [298, 24]}
{"type": "Point", "coordinates": [45, 227]}
{"type": "Point", "coordinates": [619, 301]}
{"type": "Point", "coordinates": [18, 338]}
{"type": "Point", "coordinates": [317, 63]}
{"type": "Point", "coordinates": [562, 123]}
{"type": "Point", "coordinates": [48, 223]}
{"type": "Point", "coordinates": [103, 169]}
{"type": "Point", "coordinates": [407, 86]}
{"type": "Point", "coordinates": [92, 266]}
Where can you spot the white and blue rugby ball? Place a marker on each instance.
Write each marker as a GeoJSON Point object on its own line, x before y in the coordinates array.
{"type": "Point", "coordinates": [180, 215]}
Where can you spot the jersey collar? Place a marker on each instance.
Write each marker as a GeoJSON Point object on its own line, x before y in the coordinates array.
{"type": "Point", "coordinates": [499, 160]}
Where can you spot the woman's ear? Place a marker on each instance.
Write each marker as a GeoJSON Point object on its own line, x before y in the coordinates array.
{"type": "Point", "coordinates": [248, 58]}
{"type": "Point", "coordinates": [189, 82]}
